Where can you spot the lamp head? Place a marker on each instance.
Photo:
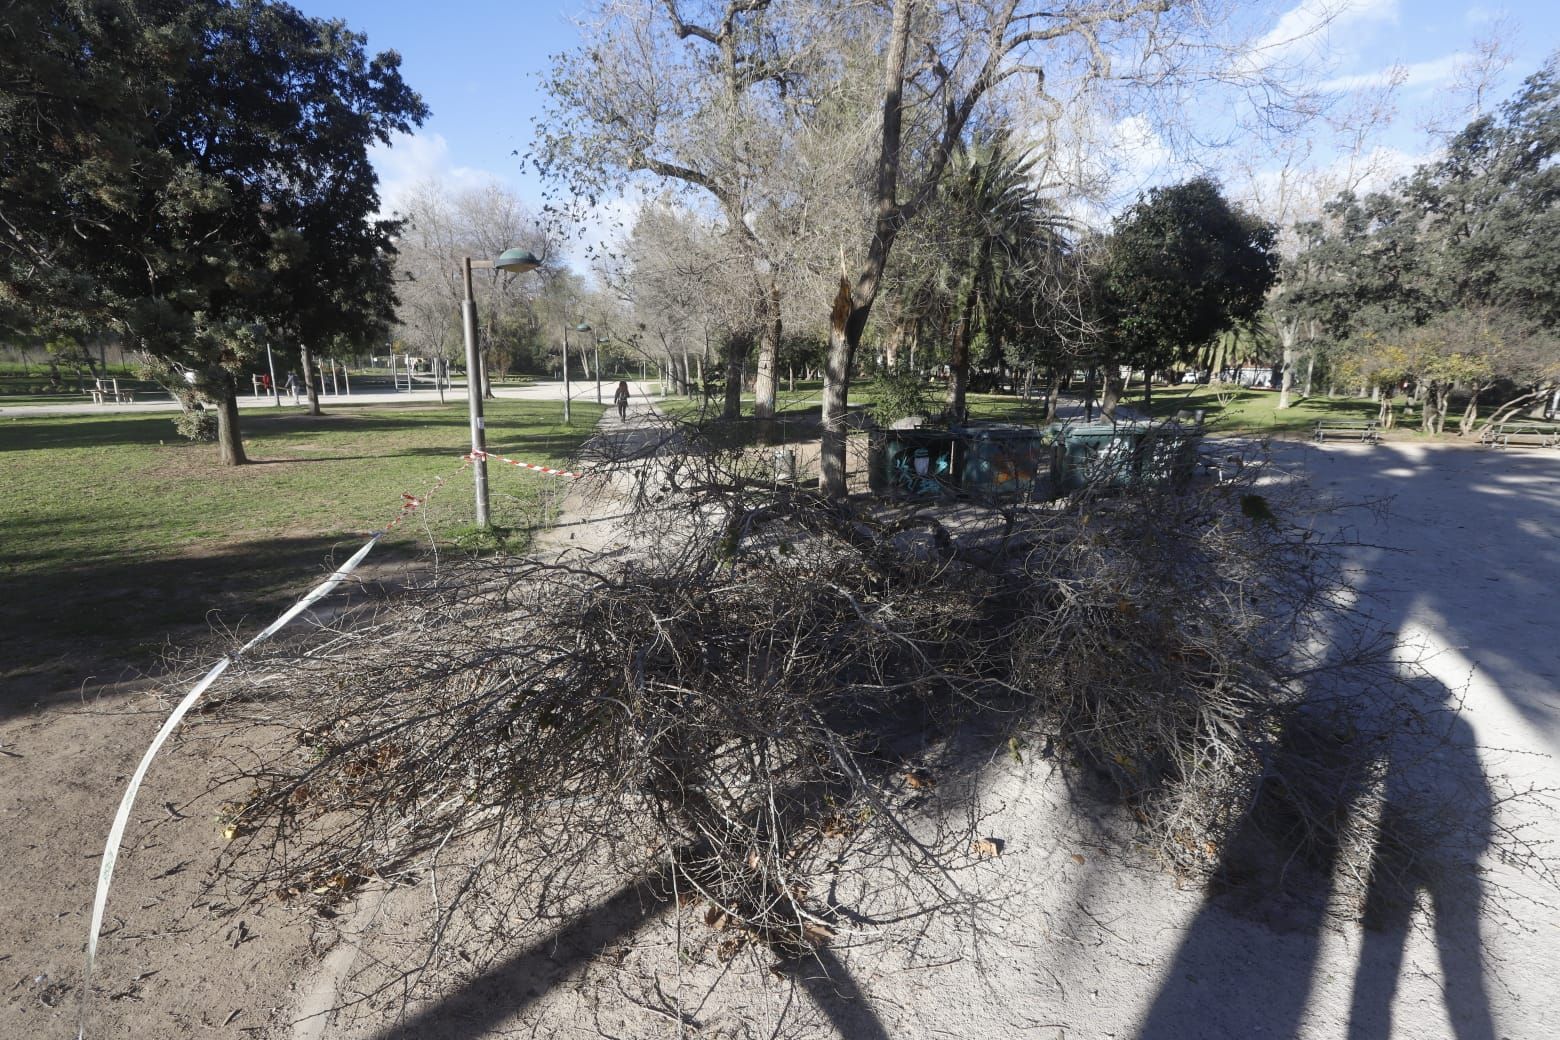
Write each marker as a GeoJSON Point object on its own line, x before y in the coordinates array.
{"type": "Point", "coordinates": [517, 260]}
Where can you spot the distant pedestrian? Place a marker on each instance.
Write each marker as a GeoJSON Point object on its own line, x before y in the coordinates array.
{"type": "Point", "coordinates": [620, 398]}
{"type": "Point", "coordinates": [292, 386]}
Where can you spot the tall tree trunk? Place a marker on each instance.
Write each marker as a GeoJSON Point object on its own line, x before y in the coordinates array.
{"type": "Point", "coordinates": [737, 347]}
{"type": "Point", "coordinates": [1113, 391]}
{"type": "Point", "coordinates": [1287, 331]}
{"type": "Point", "coordinates": [1053, 395]}
{"type": "Point", "coordinates": [1470, 415]}
{"type": "Point", "coordinates": [836, 387]}
{"type": "Point", "coordinates": [230, 446]}
{"type": "Point", "coordinates": [309, 376]}
{"type": "Point", "coordinates": [1148, 392]}
{"type": "Point", "coordinates": [959, 362]}
{"type": "Point", "coordinates": [769, 330]}
{"type": "Point", "coordinates": [1310, 371]}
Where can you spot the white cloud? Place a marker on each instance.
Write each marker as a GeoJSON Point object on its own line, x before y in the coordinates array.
{"type": "Point", "coordinates": [1418, 75]}
{"type": "Point", "coordinates": [413, 159]}
{"type": "Point", "coordinates": [1314, 28]}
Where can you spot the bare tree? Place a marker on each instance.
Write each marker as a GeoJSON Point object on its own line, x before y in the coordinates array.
{"type": "Point", "coordinates": [694, 93]}
{"type": "Point", "coordinates": [443, 226]}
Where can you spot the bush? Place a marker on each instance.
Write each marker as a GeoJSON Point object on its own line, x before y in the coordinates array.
{"type": "Point", "coordinates": [897, 395]}
{"type": "Point", "coordinates": [197, 425]}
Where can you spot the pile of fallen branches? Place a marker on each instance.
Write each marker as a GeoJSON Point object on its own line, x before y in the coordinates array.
{"type": "Point", "coordinates": [755, 699]}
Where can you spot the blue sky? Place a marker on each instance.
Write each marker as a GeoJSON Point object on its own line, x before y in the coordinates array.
{"type": "Point", "coordinates": [478, 64]}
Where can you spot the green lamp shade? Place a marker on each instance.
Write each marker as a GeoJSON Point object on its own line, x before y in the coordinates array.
{"type": "Point", "coordinates": [517, 260]}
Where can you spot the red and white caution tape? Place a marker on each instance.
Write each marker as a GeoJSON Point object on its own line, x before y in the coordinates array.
{"type": "Point", "coordinates": [548, 470]}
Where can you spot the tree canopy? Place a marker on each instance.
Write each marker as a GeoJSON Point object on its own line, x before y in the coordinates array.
{"type": "Point", "coordinates": [1181, 266]}
{"type": "Point", "coordinates": [182, 172]}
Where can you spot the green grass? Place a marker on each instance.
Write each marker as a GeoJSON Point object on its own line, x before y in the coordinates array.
{"type": "Point", "coordinates": [1254, 411]}
{"type": "Point", "coordinates": [112, 527]}
{"type": "Point", "coordinates": [1249, 411]}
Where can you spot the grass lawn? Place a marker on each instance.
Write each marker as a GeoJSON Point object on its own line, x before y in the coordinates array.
{"type": "Point", "coordinates": [1250, 411]}
{"type": "Point", "coordinates": [1255, 411]}
{"type": "Point", "coordinates": [114, 530]}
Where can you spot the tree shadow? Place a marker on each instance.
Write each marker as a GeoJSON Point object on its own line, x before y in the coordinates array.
{"type": "Point", "coordinates": [113, 620]}
{"type": "Point", "coordinates": [522, 979]}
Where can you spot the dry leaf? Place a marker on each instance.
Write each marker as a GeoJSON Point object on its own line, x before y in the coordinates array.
{"type": "Point", "coordinates": [987, 847]}
{"type": "Point", "coordinates": [816, 934]}
{"type": "Point", "coordinates": [920, 780]}
{"type": "Point", "coordinates": [717, 918]}
{"type": "Point", "coordinates": [1078, 859]}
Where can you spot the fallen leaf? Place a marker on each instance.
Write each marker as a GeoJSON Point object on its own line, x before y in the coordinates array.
{"type": "Point", "coordinates": [987, 847]}
{"type": "Point", "coordinates": [919, 780]}
{"type": "Point", "coordinates": [1078, 859]}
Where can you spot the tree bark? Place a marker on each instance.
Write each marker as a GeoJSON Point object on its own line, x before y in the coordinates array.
{"type": "Point", "coordinates": [959, 362]}
{"type": "Point", "coordinates": [769, 330]}
{"type": "Point", "coordinates": [309, 375]}
{"type": "Point", "coordinates": [1470, 415]}
{"type": "Point", "coordinates": [1053, 396]}
{"type": "Point", "coordinates": [230, 446]}
{"type": "Point", "coordinates": [1113, 391]}
{"type": "Point", "coordinates": [1287, 331]}
{"type": "Point", "coordinates": [737, 347]}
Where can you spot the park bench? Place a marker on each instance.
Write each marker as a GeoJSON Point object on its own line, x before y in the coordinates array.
{"type": "Point", "coordinates": [1520, 435]}
{"type": "Point", "coordinates": [102, 393]}
{"type": "Point", "coordinates": [1353, 429]}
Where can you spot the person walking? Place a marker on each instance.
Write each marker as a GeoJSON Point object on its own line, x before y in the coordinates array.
{"type": "Point", "coordinates": [292, 386]}
{"type": "Point", "coordinates": [620, 398]}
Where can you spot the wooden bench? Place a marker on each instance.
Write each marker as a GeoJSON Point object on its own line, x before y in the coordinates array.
{"type": "Point", "coordinates": [1352, 428]}
{"type": "Point", "coordinates": [1521, 435]}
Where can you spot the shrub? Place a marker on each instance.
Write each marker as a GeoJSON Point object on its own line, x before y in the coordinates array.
{"type": "Point", "coordinates": [197, 424]}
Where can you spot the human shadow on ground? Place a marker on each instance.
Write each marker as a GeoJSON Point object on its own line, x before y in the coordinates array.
{"type": "Point", "coordinates": [1256, 942]}
{"type": "Point", "coordinates": [1473, 520]}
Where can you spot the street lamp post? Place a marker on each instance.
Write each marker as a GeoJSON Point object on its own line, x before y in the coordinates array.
{"type": "Point", "coordinates": [565, 373]}
{"type": "Point", "coordinates": [583, 327]}
{"type": "Point", "coordinates": [270, 364]}
{"type": "Point", "coordinates": [517, 260]}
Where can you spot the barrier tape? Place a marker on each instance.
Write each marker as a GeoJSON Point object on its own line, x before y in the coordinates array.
{"type": "Point", "coordinates": [409, 505]}
{"type": "Point", "coordinates": [548, 470]}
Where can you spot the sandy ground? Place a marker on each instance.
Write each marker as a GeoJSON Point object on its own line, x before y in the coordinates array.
{"type": "Point", "coordinates": [1068, 936]}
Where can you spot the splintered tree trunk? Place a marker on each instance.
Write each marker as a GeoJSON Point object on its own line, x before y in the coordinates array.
{"type": "Point", "coordinates": [836, 384]}
{"type": "Point", "coordinates": [230, 446]}
{"type": "Point", "coordinates": [309, 376]}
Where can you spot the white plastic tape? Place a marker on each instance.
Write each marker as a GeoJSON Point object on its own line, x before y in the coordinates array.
{"type": "Point", "coordinates": [122, 817]}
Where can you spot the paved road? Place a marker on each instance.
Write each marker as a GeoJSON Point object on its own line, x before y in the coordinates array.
{"type": "Point", "coordinates": [543, 391]}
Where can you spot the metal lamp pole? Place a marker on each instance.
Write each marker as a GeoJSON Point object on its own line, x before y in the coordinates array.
{"type": "Point", "coordinates": [583, 327]}
{"type": "Point", "coordinates": [510, 260]}
{"type": "Point", "coordinates": [270, 364]}
{"type": "Point", "coordinates": [566, 373]}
